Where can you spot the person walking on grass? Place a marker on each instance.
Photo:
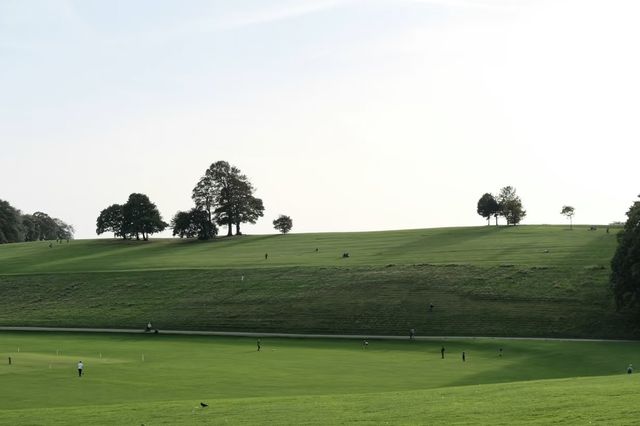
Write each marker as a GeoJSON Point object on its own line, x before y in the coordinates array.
{"type": "Point", "coordinates": [258, 344]}
{"type": "Point", "coordinates": [80, 368]}
{"type": "Point", "coordinates": [442, 352]}
{"type": "Point", "coordinates": [464, 357]}
{"type": "Point", "coordinates": [630, 369]}
{"type": "Point", "coordinates": [365, 344]}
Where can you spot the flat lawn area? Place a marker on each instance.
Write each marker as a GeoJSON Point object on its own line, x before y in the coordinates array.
{"type": "Point", "coordinates": [156, 379]}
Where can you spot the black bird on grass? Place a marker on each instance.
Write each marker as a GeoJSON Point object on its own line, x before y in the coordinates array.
{"type": "Point", "coordinates": [202, 404]}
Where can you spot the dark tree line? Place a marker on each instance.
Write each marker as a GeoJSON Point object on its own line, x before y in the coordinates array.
{"type": "Point", "coordinates": [625, 265]}
{"type": "Point", "coordinates": [507, 204]}
{"type": "Point", "coordinates": [222, 197]}
{"type": "Point", "coordinates": [136, 218]}
{"type": "Point", "coordinates": [18, 227]}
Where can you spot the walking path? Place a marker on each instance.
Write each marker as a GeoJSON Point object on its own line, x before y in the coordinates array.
{"type": "Point", "coordinates": [293, 335]}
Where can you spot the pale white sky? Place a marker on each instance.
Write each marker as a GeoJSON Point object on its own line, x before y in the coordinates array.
{"type": "Point", "coordinates": [346, 114]}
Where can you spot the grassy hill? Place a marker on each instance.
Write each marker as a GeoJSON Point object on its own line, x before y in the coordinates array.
{"type": "Point", "coordinates": [518, 281]}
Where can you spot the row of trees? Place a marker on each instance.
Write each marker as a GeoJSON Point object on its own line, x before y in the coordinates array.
{"type": "Point", "coordinates": [223, 196]}
{"type": "Point", "coordinates": [17, 227]}
{"type": "Point", "coordinates": [138, 217]}
{"type": "Point", "coordinates": [507, 204]}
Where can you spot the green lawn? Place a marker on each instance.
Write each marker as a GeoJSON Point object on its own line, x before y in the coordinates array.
{"type": "Point", "coordinates": [311, 381]}
{"type": "Point", "coordinates": [485, 281]}
{"type": "Point", "coordinates": [488, 246]}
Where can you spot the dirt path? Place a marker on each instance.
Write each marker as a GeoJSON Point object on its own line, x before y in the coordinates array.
{"type": "Point", "coordinates": [290, 335]}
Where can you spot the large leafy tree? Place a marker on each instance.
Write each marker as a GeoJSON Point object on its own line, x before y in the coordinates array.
{"type": "Point", "coordinates": [568, 211]}
{"type": "Point", "coordinates": [46, 226]}
{"type": "Point", "coordinates": [487, 207]}
{"type": "Point", "coordinates": [227, 196]}
{"type": "Point", "coordinates": [283, 223]}
{"type": "Point", "coordinates": [511, 205]}
{"type": "Point", "coordinates": [193, 224]}
{"type": "Point", "coordinates": [141, 217]}
{"type": "Point", "coordinates": [625, 265]}
{"type": "Point", "coordinates": [11, 230]}
{"type": "Point", "coordinates": [111, 219]}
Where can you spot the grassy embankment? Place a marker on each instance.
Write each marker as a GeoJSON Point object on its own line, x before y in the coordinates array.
{"type": "Point", "coordinates": [523, 281]}
{"type": "Point", "coordinates": [311, 381]}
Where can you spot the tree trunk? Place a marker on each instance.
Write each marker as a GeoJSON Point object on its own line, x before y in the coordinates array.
{"type": "Point", "coordinates": [238, 229]}
{"type": "Point", "coordinates": [230, 231]}
{"type": "Point", "coordinates": [137, 236]}
{"type": "Point", "coordinates": [496, 216]}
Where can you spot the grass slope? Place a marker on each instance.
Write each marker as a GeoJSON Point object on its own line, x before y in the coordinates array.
{"type": "Point", "coordinates": [518, 281]}
{"type": "Point", "coordinates": [311, 381]}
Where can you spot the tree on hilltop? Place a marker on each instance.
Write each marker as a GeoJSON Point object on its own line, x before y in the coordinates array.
{"type": "Point", "coordinates": [193, 224]}
{"type": "Point", "coordinates": [11, 229]}
{"type": "Point", "coordinates": [487, 207]}
{"type": "Point", "coordinates": [568, 211]}
{"type": "Point", "coordinates": [111, 219]}
{"type": "Point", "coordinates": [141, 217]}
{"type": "Point", "coordinates": [625, 265]}
{"type": "Point", "coordinates": [283, 224]}
{"type": "Point", "coordinates": [511, 206]}
{"type": "Point", "coordinates": [227, 196]}
{"type": "Point", "coordinates": [137, 217]}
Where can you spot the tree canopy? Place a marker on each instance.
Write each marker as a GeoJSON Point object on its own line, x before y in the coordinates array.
{"type": "Point", "coordinates": [17, 227]}
{"type": "Point", "coordinates": [568, 211]}
{"type": "Point", "coordinates": [137, 217]}
{"type": "Point", "coordinates": [625, 265]}
{"type": "Point", "coordinates": [511, 205]}
{"type": "Point", "coordinates": [226, 195]}
{"type": "Point", "coordinates": [193, 224]}
{"type": "Point", "coordinates": [487, 207]}
{"type": "Point", "coordinates": [283, 224]}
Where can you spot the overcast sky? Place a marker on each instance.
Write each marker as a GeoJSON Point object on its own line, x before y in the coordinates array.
{"type": "Point", "coordinates": [345, 114]}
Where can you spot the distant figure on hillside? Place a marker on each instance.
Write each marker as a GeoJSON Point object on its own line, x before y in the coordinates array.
{"type": "Point", "coordinates": [500, 352]}
{"type": "Point", "coordinates": [442, 352]}
{"type": "Point", "coordinates": [316, 249]}
{"type": "Point", "coordinates": [630, 369]}
{"type": "Point", "coordinates": [431, 307]}
{"type": "Point", "coordinates": [258, 344]}
{"type": "Point", "coordinates": [464, 358]}
{"type": "Point", "coordinates": [266, 256]}
{"type": "Point", "coordinates": [345, 254]}
{"type": "Point", "coordinates": [365, 344]}
{"type": "Point", "coordinates": [80, 368]}
{"type": "Point", "coordinates": [607, 229]}
{"type": "Point", "coordinates": [412, 334]}
{"type": "Point", "coordinates": [242, 278]}
{"type": "Point", "coordinates": [148, 328]}
{"type": "Point", "coordinates": [9, 360]}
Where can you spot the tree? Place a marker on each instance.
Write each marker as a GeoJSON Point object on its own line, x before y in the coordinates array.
{"type": "Point", "coordinates": [227, 197]}
{"type": "Point", "coordinates": [487, 207]}
{"type": "Point", "coordinates": [568, 211]}
{"type": "Point", "coordinates": [192, 224]}
{"type": "Point", "coordinates": [283, 224]}
{"type": "Point", "coordinates": [625, 265]}
{"type": "Point", "coordinates": [141, 217]}
{"type": "Point", "coordinates": [30, 227]}
{"type": "Point", "coordinates": [511, 206]}
{"type": "Point", "coordinates": [111, 219]}
{"type": "Point", "coordinates": [11, 230]}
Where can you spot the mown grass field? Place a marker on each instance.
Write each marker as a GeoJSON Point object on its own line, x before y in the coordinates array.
{"type": "Point", "coordinates": [544, 281]}
{"type": "Point", "coordinates": [305, 381]}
